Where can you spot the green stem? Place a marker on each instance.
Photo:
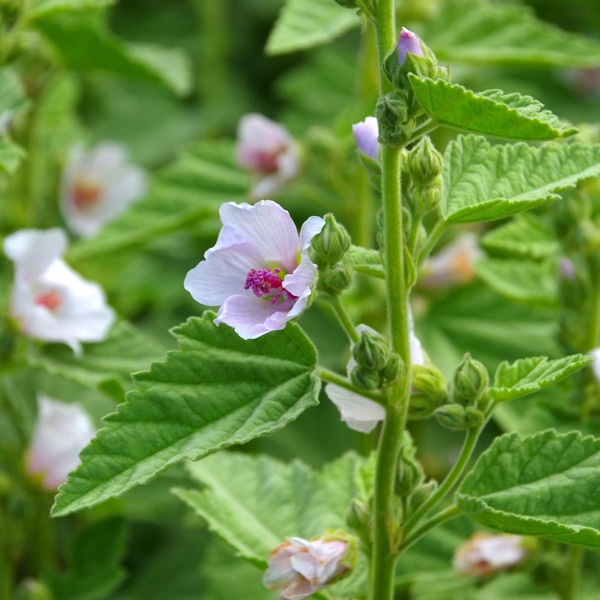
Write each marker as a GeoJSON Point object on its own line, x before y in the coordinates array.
{"type": "Point", "coordinates": [422, 130]}
{"type": "Point", "coordinates": [441, 517]}
{"type": "Point", "coordinates": [432, 240]}
{"type": "Point", "coordinates": [344, 317]}
{"type": "Point", "coordinates": [414, 232]}
{"type": "Point", "coordinates": [575, 564]}
{"type": "Point", "coordinates": [331, 377]}
{"type": "Point", "coordinates": [594, 318]}
{"type": "Point", "coordinates": [386, 39]}
{"type": "Point", "coordinates": [368, 270]}
{"type": "Point", "coordinates": [450, 480]}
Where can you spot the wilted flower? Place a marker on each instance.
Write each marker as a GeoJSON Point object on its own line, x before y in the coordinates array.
{"type": "Point", "coordinates": [485, 554]}
{"type": "Point", "coordinates": [359, 413]}
{"type": "Point", "coordinates": [259, 272]}
{"type": "Point", "coordinates": [266, 149]}
{"type": "Point", "coordinates": [366, 135]}
{"type": "Point", "coordinates": [50, 301]}
{"type": "Point", "coordinates": [453, 264]}
{"type": "Point", "coordinates": [97, 186]}
{"type": "Point", "coordinates": [298, 568]}
{"type": "Point", "coordinates": [409, 42]}
{"type": "Point", "coordinates": [61, 432]}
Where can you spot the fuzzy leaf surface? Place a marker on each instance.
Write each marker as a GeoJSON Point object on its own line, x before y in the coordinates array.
{"type": "Point", "coordinates": [303, 24]}
{"type": "Point", "coordinates": [531, 374]}
{"type": "Point", "coordinates": [365, 261]}
{"type": "Point", "coordinates": [494, 113]}
{"type": "Point", "coordinates": [480, 32]}
{"type": "Point", "coordinates": [215, 391]}
{"type": "Point", "coordinates": [544, 485]}
{"type": "Point", "coordinates": [484, 182]}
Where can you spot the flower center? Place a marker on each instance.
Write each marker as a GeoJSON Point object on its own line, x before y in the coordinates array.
{"type": "Point", "coordinates": [268, 285]}
{"type": "Point", "coordinates": [86, 193]}
{"type": "Point", "coordinates": [51, 300]}
{"type": "Point", "coordinates": [266, 162]}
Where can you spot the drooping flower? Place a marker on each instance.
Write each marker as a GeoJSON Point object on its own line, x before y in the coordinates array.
{"type": "Point", "coordinates": [299, 568]}
{"type": "Point", "coordinates": [97, 186]}
{"type": "Point", "coordinates": [358, 412]}
{"type": "Point", "coordinates": [485, 554]}
{"type": "Point", "coordinates": [453, 264]}
{"type": "Point", "coordinates": [50, 301]}
{"type": "Point", "coordinates": [61, 432]}
{"type": "Point", "coordinates": [409, 42]}
{"type": "Point", "coordinates": [267, 150]}
{"type": "Point", "coordinates": [366, 135]}
{"type": "Point", "coordinates": [259, 272]}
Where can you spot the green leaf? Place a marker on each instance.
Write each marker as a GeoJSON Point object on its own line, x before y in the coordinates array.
{"type": "Point", "coordinates": [183, 194]}
{"type": "Point", "coordinates": [509, 116]}
{"type": "Point", "coordinates": [11, 155]}
{"type": "Point", "coordinates": [533, 283]}
{"type": "Point", "coordinates": [365, 261]}
{"type": "Point", "coordinates": [12, 93]}
{"type": "Point", "coordinates": [85, 45]}
{"type": "Point", "coordinates": [483, 182]}
{"type": "Point", "coordinates": [215, 391]}
{"type": "Point", "coordinates": [303, 24]}
{"type": "Point", "coordinates": [480, 32]}
{"type": "Point", "coordinates": [532, 374]}
{"type": "Point", "coordinates": [544, 485]}
{"type": "Point", "coordinates": [41, 7]}
{"type": "Point", "coordinates": [525, 236]}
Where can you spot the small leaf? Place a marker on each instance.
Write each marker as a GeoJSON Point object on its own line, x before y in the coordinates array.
{"type": "Point", "coordinates": [526, 281]}
{"type": "Point", "coordinates": [215, 391]}
{"type": "Point", "coordinates": [509, 116]}
{"type": "Point", "coordinates": [531, 374]}
{"type": "Point", "coordinates": [544, 485]}
{"type": "Point", "coordinates": [303, 24]}
{"type": "Point", "coordinates": [365, 261]}
{"type": "Point", "coordinates": [484, 182]}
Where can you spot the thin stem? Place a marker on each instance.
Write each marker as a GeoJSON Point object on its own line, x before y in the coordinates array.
{"type": "Point", "coordinates": [422, 130]}
{"type": "Point", "coordinates": [368, 270]}
{"type": "Point", "coordinates": [437, 519]}
{"type": "Point", "coordinates": [344, 317]}
{"type": "Point", "coordinates": [575, 564]}
{"type": "Point", "coordinates": [432, 240]}
{"type": "Point", "coordinates": [594, 317]}
{"type": "Point", "coordinates": [450, 480]}
{"type": "Point", "coordinates": [414, 232]}
{"type": "Point", "coordinates": [343, 382]}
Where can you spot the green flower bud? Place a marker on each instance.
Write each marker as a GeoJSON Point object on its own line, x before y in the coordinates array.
{"type": "Point", "coordinates": [421, 495]}
{"type": "Point", "coordinates": [452, 416]}
{"type": "Point", "coordinates": [394, 368]}
{"type": "Point", "coordinates": [424, 163]}
{"type": "Point", "coordinates": [364, 379]}
{"type": "Point", "coordinates": [332, 242]}
{"type": "Point", "coordinates": [429, 391]}
{"type": "Point", "coordinates": [395, 124]}
{"type": "Point", "coordinates": [371, 351]}
{"type": "Point", "coordinates": [409, 474]}
{"type": "Point", "coordinates": [474, 417]}
{"type": "Point", "coordinates": [358, 516]}
{"type": "Point", "coordinates": [470, 381]}
{"type": "Point", "coordinates": [338, 278]}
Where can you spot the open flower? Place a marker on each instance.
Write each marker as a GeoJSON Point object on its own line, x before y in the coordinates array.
{"type": "Point", "coordinates": [358, 412]}
{"type": "Point", "coordinates": [267, 150]}
{"type": "Point", "coordinates": [409, 42]}
{"type": "Point", "coordinates": [485, 554]}
{"type": "Point", "coordinates": [259, 272]}
{"type": "Point", "coordinates": [299, 568]}
{"type": "Point", "coordinates": [366, 135]}
{"type": "Point", "coordinates": [50, 301]}
{"type": "Point", "coordinates": [97, 186]}
{"type": "Point", "coordinates": [61, 432]}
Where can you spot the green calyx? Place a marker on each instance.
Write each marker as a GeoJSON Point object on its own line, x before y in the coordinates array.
{"type": "Point", "coordinates": [364, 379]}
{"type": "Point", "coordinates": [332, 242]}
{"type": "Point", "coordinates": [372, 351]}
{"type": "Point", "coordinates": [429, 391]}
{"type": "Point", "coordinates": [336, 279]}
{"type": "Point", "coordinates": [459, 418]}
{"type": "Point", "coordinates": [470, 381]}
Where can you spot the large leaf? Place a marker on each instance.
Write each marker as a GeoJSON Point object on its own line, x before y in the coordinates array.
{"type": "Point", "coordinates": [183, 194]}
{"type": "Point", "coordinates": [509, 116]}
{"type": "Point", "coordinates": [307, 23]}
{"type": "Point", "coordinates": [40, 7]}
{"type": "Point", "coordinates": [531, 374]}
{"type": "Point", "coordinates": [215, 391]}
{"type": "Point", "coordinates": [84, 44]}
{"type": "Point", "coordinates": [481, 32]}
{"type": "Point", "coordinates": [544, 485]}
{"type": "Point", "coordinates": [526, 281]}
{"type": "Point", "coordinates": [483, 182]}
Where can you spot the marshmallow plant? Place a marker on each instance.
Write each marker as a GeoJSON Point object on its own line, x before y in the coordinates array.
{"type": "Point", "coordinates": [246, 368]}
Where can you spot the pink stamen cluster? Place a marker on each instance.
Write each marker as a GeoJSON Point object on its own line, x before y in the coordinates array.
{"type": "Point", "coordinates": [51, 300]}
{"type": "Point", "coordinates": [263, 282]}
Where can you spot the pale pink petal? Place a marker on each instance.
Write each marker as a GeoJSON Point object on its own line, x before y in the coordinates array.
{"type": "Point", "coordinates": [300, 281]}
{"type": "Point", "coordinates": [360, 414]}
{"type": "Point", "coordinates": [280, 573]}
{"type": "Point", "coordinates": [409, 42]}
{"type": "Point", "coordinates": [288, 163]}
{"type": "Point", "coordinates": [366, 135]}
{"type": "Point", "coordinates": [257, 136]}
{"type": "Point", "coordinates": [266, 186]}
{"type": "Point", "coordinates": [310, 228]}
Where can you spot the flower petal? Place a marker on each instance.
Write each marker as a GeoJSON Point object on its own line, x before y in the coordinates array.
{"type": "Point", "coordinates": [360, 414]}
{"type": "Point", "coordinates": [409, 42]}
{"type": "Point", "coordinates": [310, 228]}
{"type": "Point", "coordinates": [366, 135]}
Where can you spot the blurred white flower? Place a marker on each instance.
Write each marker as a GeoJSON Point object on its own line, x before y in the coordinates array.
{"type": "Point", "coordinates": [50, 301]}
{"type": "Point", "coordinates": [97, 186]}
{"type": "Point", "coordinates": [595, 354]}
{"type": "Point", "coordinates": [267, 150]}
{"type": "Point", "coordinates": [453, 264]}
{"type": "Point", "coordinates": [61, 432]}
{"type": "Point", "coordinates": [485, 554]}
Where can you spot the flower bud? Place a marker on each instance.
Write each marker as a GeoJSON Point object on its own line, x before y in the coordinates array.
{"type": "Point", "coordinates": [429, 391]}
{"type": "Point", "coordinates": [338, 278]}
{"type": "Point", "coordinates": [459, 418]}
{"type": "Point", "coordinates": [358, 515]}
{"type": "Point", "coordinates": [424, 163]}
{"type": "Point", "coordinates": [395, 126]}
{"type": "Point", "coordinates": [421, 495]}
{"type": "Point", "coordinates": [364, 379]}
{"type": "Point", "coordinates": [470, 381]}
{"type": "Point", "coordinates": [409, 474]}
{"type": "Point", "coordinates": [366, 135]}
{"type": "Point", "coordinates": [332, 242]}
{"type": "Point", "coordinates": [371, 351]}
{"type": "Point", "coordinates": [409, 42]}
{"type": "Point", "coordinates": [394, 368]}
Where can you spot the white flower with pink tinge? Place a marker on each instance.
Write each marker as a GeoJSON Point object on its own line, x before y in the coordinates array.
{"type": "Point", "coordinates": [358, 412]}
{"type": "Point", "coordinates": [266, 149]}
{"type": "Point", "coordinates": [408, 42]}
{"type": "Point", "coordinates": [50, 301]}
{"type": "Point", "coordinates": [485, 554]}
{"type": "Point", "coordinates": [97, 186]}
{"type": "Point", "coordinates": [298, 568]}
{"type": "Point", "coordinates": [61, 432]}
{"type": "Point", "coordinates": [259, 272]}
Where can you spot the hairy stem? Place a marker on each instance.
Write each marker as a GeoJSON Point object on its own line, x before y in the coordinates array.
{"type": "Point", "coordinates": [331, 377]}
{"type": "Point", "coordinates": [437, 519]}
{"type": "Point", "coordinates": [344, 317]}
